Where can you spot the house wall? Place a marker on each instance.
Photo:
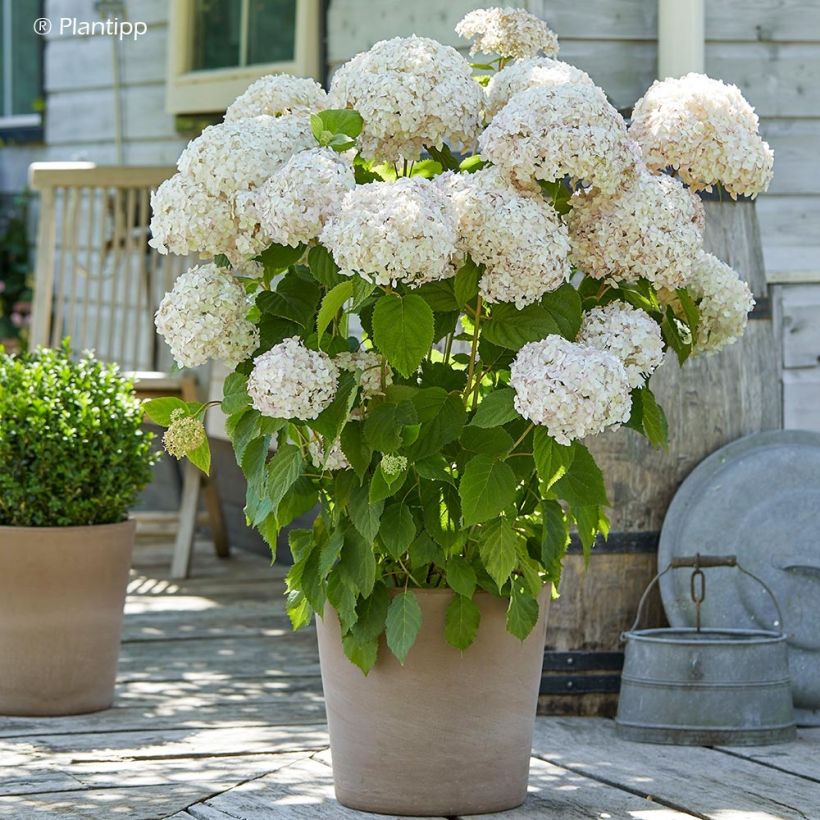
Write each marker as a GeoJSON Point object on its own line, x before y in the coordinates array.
{"type": "Point", "coordinates": [769, 48]}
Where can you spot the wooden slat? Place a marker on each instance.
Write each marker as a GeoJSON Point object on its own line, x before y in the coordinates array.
{"type": "Point", "coordinates": [801, 325]}
{"type": "Point", "coordinates": [801, 757]}
{"type": "Point", "coordinates": [779, 81]}
{"type": "Point", "coordinates": [559, 793]}
{"type": "Point", "coordinates": [768, 20]}
{"type": "Point", "coordinates": [705, 782]}
{"type": "Point", "coordinates": [801, 399]}
{"type": "Point", "coordinates": [50, 174]}
{"type": "Point", "coordinates": [301, 791]}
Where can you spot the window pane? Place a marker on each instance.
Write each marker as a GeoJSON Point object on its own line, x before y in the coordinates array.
{"type": "Point", "coordinates": [271, 31]}
{"type": "Point", "coordinates": [217, 26]}
{"type": "Point", "coordinates": [25, 58]}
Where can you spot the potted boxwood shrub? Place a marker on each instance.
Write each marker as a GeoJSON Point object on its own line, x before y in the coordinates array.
{"type": "Point", "coordinates": [422, 333]}
{"type": "Point", "coordinates": [72, 459]}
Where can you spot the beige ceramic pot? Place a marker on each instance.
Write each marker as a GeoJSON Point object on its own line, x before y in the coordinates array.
{"type": "Point", "coordinates": [447, 734]}
{"type": "Point", "coordinates": [62, 591]}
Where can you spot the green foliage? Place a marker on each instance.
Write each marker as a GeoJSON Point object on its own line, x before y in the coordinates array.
{"type": "Point", "coordinates": [72, 449]}
{"type": "Point", "coordinates": [445, 485]}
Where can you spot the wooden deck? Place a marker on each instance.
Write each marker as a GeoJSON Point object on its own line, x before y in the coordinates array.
{"type": "Point", "coordinates": [219, 716]}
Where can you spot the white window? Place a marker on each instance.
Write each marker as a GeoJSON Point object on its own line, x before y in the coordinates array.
{"type": "Point", "coordinates": [217, 48]}
{"type": "Point", "coordinates": [21, 74]}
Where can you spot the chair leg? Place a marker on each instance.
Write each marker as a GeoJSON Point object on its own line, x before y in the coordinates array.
{"type": "Point", "coordinates": [216, 521]}
{"type": "Point", "coordinates": [183, 548]}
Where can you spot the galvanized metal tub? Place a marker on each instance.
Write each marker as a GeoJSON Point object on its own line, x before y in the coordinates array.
{"type": "Point", "coordinates": [707, 687]}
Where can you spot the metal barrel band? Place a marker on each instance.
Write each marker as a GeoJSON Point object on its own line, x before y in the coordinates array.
{"type": "Point", "coordinates": [697, 586]}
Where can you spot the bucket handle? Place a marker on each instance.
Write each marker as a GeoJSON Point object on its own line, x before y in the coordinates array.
{"type": "Point", "coordinates": [697, 563]}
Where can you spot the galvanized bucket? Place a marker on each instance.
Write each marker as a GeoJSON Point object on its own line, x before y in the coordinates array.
{"type": "Point", "coordinates": [705, 687]}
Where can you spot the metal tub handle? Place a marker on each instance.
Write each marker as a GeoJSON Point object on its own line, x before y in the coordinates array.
{"type": "Point", "coordinates": [697, 589]}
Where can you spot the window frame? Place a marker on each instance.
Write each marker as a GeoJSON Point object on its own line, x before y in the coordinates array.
{"type": "Point", "coordinates": [211, 90]}
{"type": "Point", "coordinates": [18, 128]}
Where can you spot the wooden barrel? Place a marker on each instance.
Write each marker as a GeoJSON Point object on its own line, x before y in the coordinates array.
{"type": "Point", "coordinates": [709, 402]}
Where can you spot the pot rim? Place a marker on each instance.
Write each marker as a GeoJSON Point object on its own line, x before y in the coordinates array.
{"type": "Point", "coordinates": [128, 523]}
{"type": "Point", "coordinates": [684, 636]}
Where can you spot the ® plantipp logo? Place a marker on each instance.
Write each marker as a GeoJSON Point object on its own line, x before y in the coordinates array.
{"type": "Point", "coordinates": [74, 27]}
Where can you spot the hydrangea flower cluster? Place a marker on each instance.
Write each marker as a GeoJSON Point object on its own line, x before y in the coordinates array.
{"type": "Point", "coordinates": [531, 72]}
{"type": "Point", "coordinates": [294, 204]}
{"type": "Point", "coordinates": [515, 234]}
{"type": "Point", "coordinates": [404, 231]}
{"type": "Point", "coordinates": [567, 130]}
{"type": "Point", "coordinates": [241, 154]}
{"type": "Point", "coordinates": [290, 381]}
{"type": "Point", "coordinates": [275, 95]}
{"type": "Point", "coordinates": [184, 434]}
{"type": "Point", "coordinates": [571, 389]}
{"type": "Point", "coordinates": [412, 93]}
{"type": "Point", "coordinates": [706, 131]}
{"type": "Point", "coordinates": [724, 301]}
{"type": "Point", "coordinates": [629, 334]}
{"type": "Point", "coordinates": [205, 317]}
{"type": "Point", "coordinates": [507, 32]}
{"type": "Point", "coordinates": [650, 228]}
{"type": "Point", "coordinates": [186, 219]}
{"type": "Point", "coordinates": [369, 365]}
{"type": "Point", "coordinates": [332, 459]}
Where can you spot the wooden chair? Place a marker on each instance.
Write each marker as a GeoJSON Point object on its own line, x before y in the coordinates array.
{"type": "Point", "coordinates": [99, 282]}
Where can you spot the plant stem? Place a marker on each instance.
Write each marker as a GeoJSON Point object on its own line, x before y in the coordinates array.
{"type": "Point", "coordinates": [522, 437]}
{"type": "Point", "coordinates": [473, 348]}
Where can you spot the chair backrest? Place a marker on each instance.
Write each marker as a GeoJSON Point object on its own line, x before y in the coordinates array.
{"type": "Point", "coordinates": [97, 280]}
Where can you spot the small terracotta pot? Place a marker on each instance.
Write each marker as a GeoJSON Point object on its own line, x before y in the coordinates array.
{"type": "Point", "coordinates": [62, 591]}
{"type": "Point", "coordinates": [449, 733]}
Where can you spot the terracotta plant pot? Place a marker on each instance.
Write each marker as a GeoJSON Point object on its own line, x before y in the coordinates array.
{"type": "Point", "coordinates": [62, 591]}
{"type": "Point", "coordinates": [448, 733]}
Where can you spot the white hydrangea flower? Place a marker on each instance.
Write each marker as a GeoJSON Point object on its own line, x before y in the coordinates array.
{"type": "Point", "coordinates": [627, 332]}
{"type": "Point", "coordinates": [184, 434]}
{"type": "Point", "coordinates": [552, 132]}
{"type": "Point", "coordinates": [278, 94]}
{"type": "Point", "coordinates": [531, 72]}
{"type": "Point", "coordinates": [412, 92]}
{"type": "Point", "coordinates": [292, 382]}
{"type": "Point", "coordinates": [293, 205]}
{"type": "Point", "coordinates": [516, 235]}
{"type": "Point", "coordinates": [389, 232]}
{"type": "Point", "coordinates": [335, 459]}
{"type": "Point", "coordinates": [205, 317]}
{"type": "Point", "coordinates": [507, 32]}
{"type": "Point", "coordinates": [651, 228]}
{"type": "Point", "coordinates": [572, 390]}
{"type": "Point", "coordinates": [369, 365]}
{"type": "Point", "coordinates": [706, 131]}
{"type": "Point", "coordinates": [724, 301]}
{"type": "Point", "coordinates": [239, 155]}
{"type": "Point", "coordinates": [393, 464]}
{"type": "Point", "coordinates": [186, 219]}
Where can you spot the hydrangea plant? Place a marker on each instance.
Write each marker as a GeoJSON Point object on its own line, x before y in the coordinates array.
{"type": "Point", "coordinates": [433, 283]}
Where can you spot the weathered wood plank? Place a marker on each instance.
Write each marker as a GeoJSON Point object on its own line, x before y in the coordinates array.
{"type": "Point", "coordinates": [796, 159]}
{"type": "Point", "coordinates": [293, 654]}
{"type": "Point", "coordinates": [142, 802]}
{"type": "Point", "coordinates": [801, 399]}
{"type": "Point", "coordinates": [68, 64]}
{"type": "Point", "coordinates": [801, 325]}
{"type": "Point", "coordinates": [28, 779]}
{"type": "Point", "coordinates": [143, 109]}
{"type": "Point", "coordinates": [778, 20]}
{"type": "Point", "coordinates": [179, 743]}
{"type": "Point", "coordinates": [704, 782]}
{"type": "Point", "coordinates": [801, 757]}
{"type": "Point", "coordinates": [301, 791]}
{"type": "Point", "coordinates": [284, 708]}
{"type": "Point", "coordinates": [779, 80]}
{"type": "Point", "coordinates": [559, 793]}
